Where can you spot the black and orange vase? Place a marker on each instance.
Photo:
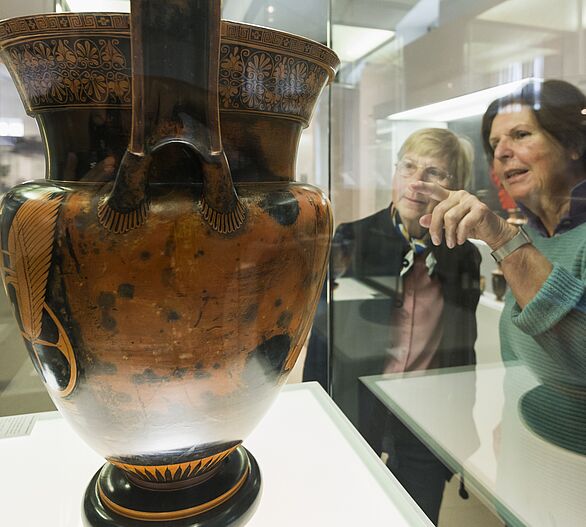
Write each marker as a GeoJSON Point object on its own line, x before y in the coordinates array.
{"type": "Point", "coordinates": [165, 273]}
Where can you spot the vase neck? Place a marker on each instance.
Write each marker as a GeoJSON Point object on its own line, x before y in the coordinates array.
{"type": "Point", "coordinates": [174, 56]}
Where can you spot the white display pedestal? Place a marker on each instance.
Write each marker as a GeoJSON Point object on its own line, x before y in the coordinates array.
{"type": "Point", "coordinates": [316, 471]}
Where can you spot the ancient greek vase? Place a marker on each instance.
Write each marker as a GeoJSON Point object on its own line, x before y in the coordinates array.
{"type": "Point", "coordinates": [499, 284]}
{"type": "Point", "coordinates": [166, 272]}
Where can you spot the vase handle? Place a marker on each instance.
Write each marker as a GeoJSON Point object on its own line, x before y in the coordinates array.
{"type": "Point", "coordinates": [175, 55]}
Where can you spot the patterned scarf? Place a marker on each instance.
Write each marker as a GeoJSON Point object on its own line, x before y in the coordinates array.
{"type": "Point", "coordinates": [416, 245]}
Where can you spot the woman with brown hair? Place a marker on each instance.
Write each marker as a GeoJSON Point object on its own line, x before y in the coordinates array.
{"type": "Point", "coordinates": [536, 140]}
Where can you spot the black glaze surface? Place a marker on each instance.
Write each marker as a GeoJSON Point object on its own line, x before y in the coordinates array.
{"type": "Point", "coordinates": [235, 512]}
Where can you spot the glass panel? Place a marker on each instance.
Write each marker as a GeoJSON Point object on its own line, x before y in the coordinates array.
{"type": "Point", "coordinates": [396, 310]}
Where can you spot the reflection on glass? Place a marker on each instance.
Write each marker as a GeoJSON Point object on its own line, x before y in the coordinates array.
{"type": "Point", "coordinates": [556, 416]}
{"type": "Point", "coordinates": [540, 452]}
{"type": "Point", "coordinates": [455, 54]}
{"type": "Point", "coordinates": [400, 294]}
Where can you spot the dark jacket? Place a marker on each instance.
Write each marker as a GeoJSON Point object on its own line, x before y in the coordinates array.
{"type": "Point", "coordinates": [372, 248]}
{"type": "Point", "coordinates": [366, 249]}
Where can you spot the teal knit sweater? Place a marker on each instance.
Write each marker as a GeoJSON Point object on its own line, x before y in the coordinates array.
{"type": "Point", "coordinates": [549, 334]}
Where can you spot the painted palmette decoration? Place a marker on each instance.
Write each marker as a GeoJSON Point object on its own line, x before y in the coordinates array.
{"type": "Point", "coordinates": [165, 273]}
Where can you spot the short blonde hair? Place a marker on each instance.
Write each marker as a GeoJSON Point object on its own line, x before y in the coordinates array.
{"type": "Point", "coordinates": [441, 143]}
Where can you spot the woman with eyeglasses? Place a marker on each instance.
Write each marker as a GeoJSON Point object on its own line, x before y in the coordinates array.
{"type": "Point", "coordinates": [428, 318]}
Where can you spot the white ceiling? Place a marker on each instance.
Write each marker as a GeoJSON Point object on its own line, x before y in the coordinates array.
{"type": "Point", "coordinates": [99, 5]}
{"type": "Point", "coordinates": [305, 16]}
{"type": "Point", "coordinates": [543, 14]}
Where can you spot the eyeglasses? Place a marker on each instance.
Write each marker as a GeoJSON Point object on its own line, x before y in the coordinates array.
{"type": "Point", "coordinates": [407, 168]}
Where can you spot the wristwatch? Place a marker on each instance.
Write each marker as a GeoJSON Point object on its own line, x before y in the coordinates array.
{"type": "Point", "coordinates": [520, 239]}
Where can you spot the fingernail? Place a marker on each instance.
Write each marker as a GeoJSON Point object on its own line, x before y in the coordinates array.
{"type": "Point", "coordinates": [435, 240]}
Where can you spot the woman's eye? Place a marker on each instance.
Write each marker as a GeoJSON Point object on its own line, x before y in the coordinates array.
{"type": "Point", "coordinates": [520, 134]}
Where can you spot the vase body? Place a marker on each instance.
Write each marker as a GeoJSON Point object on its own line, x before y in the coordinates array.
{"type": "Point", "coordinates": [164, 332]}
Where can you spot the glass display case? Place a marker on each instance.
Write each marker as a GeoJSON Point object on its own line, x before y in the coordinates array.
{"type": "Point", "coordinates": [415, 66]}
{"type": "Point", "coordinates": [524, 437]}
{"type": "Point", "coordinates": [22, 159]}
{"type": "Point", "coordinates": [412, 339]}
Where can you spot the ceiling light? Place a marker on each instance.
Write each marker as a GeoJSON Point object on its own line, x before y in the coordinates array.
{"type": "Point", "coordinates": [11, 128]}
{"type": "Point", "coordinates": [468, 105]}
{"type": "Point", "coordinates": [99, 5]}
{"type": "Point", "coordinates": [353, 42]}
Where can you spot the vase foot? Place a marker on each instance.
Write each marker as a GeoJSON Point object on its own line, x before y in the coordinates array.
{"type": "Point", "coordinates": [227, 499]}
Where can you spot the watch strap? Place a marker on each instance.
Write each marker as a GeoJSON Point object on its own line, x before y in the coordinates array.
{"type": "Point", "coordinates": [520, 239]}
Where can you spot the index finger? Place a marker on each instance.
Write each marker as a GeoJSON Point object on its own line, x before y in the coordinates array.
{"type": "Point", "coordinates": [433, 190]}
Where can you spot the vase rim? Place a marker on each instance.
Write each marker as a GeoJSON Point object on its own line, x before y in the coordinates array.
{"type": "Point", "coordinates": [320, 52]}
{"type": "Point", "coordinates": [22, 28]}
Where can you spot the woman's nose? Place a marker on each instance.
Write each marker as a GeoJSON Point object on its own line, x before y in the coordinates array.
{"type": "Point", "coordinates": [503, 149]}
{"type": "Point", "coordinates": [420, 174]}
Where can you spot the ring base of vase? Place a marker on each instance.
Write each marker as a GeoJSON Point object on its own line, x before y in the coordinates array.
{"type": "Point", "coordinates": [227, 499]}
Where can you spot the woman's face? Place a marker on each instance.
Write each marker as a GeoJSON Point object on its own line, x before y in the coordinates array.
{"type": "Point", "coordinates": [411, 205]}
{"type": "Point", "coordinates": [531, 165]}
